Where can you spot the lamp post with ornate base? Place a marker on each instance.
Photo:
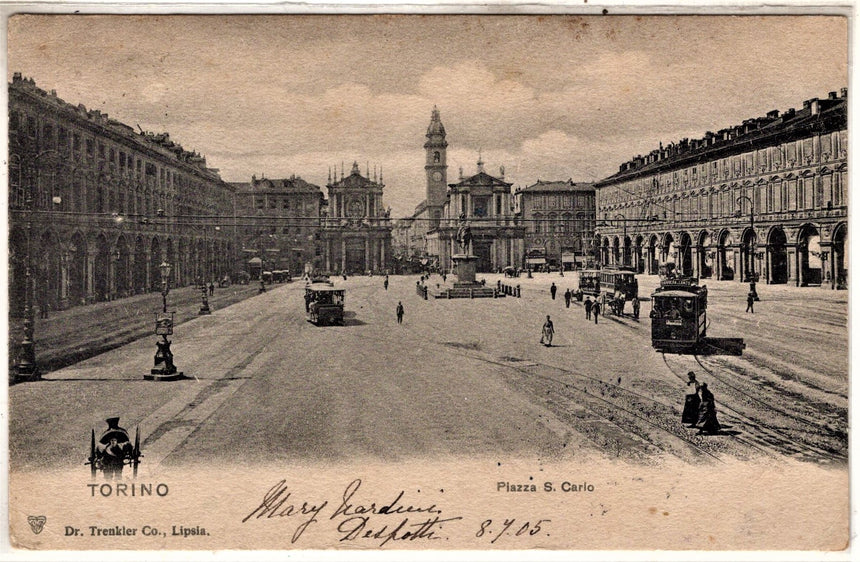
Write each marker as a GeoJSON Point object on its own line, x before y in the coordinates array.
{"type": "Point", "coordinates": [27, 370]}
{"type": "Point", "coordinates": [164, 368]}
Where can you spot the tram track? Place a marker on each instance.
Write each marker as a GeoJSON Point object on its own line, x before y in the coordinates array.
{"type": "Point", "coordinates": [601, 410]}
{"type": "Point", "coordinates": [776, 429]}
{"type": "Point", "coordinates": [629, 418]}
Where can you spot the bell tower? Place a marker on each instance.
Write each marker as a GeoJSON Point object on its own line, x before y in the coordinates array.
{"type": "Point", "coordinates": [436, 167]}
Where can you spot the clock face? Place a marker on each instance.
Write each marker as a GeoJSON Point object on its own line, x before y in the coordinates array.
{"type": "Point", "coordinates": [437, 175]}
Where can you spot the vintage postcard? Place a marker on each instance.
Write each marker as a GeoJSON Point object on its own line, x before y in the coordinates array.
{"type": "Point", "coordinates": [428, 282]}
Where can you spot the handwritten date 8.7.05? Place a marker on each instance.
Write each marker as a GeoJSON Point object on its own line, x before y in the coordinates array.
{"type": "Point", "coordinates": [511, 528]}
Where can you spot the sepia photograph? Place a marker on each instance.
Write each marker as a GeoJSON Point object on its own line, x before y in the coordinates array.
{"type": "Point", "coordinates": [381, 282]}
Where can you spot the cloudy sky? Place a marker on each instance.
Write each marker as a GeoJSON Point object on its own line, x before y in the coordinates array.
{"type": "Point", "coordinates": [549, 97]}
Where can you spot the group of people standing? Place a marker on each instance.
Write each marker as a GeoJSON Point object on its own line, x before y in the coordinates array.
{"type": "Point", "coordinates": [699, 408]}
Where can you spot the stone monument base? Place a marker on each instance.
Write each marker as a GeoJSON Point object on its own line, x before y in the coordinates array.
{"type": "Point", "coordinates": [464, 268]}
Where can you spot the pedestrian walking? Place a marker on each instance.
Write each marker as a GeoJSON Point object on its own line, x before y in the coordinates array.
{"type": "Point", "coordinates": [444, 277]}
{"type": "Point", "coordinates": [567, 297]}
{"type": "Point", "coordinates": [552, 290]}
{"type": "Point", "coordinates": [690, 415]}
{"type": "Point", "coordinates": [595, 310]}
{"type": "Point", "coordinates": [385, 283]}
{"type": "Point", "coordinates": [547, 332]}
{"type": "Point", "coordinates": [588, 305]}
{"type": "Point", "coordinates": [751, 302]}
{"type": "Point", "coordinates": [211, 288]}
{"type": "Point", "coordinates": [399, 312]}
{"type": "Point", "coordinates": [635, 303]}
{"type": "Point", "coordinates": [708, 412]}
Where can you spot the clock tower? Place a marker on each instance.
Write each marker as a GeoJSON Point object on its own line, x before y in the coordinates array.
{"type": "Point", "coordinates": [436, 167]}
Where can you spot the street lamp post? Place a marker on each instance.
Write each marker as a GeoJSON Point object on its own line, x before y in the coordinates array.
{"type": "Point", "coordinates": [204, 302]}
{"type": "Point", "coordinates": [27, 369]}
{"type": "Point", "coordinates": [164, 368]}
{"type": "Point", "coordinates": [750, 249]}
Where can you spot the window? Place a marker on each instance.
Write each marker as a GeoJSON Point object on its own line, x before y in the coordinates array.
{"type": "Point", "coordinates": [47, 132]}
{"type": "Point", "coordinates": [437, 157]}
{"type": "Point", "coordinates": [122, 159]}
{"type": "Point", "coordinates": [480, 206]}
{"type": "Point", "coordinates": [31, 127]}
{"type": "Point", "coordinates": [286, 203]}
{"type": "Point", "coordinates": [101, 150]}
{"type": "Point", "coordinates": [13, 121]}
{"type": "Point", "coordinates": [90, 147]}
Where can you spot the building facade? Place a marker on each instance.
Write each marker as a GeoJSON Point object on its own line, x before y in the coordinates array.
{"type": "Point", "coordinates": [95, 207]}
{"type": "Point", "coordinates": [559, 221]}
{"type": "Point", "coordinates": [279, 222]}
{"type": "Point", "coordinates": [487, 204]}
{"type": "Point", "coordinates": [766, 199]}
{"type": "Point", "coordinates": [356, 234]}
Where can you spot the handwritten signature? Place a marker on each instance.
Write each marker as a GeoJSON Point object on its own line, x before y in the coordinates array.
{"type": "Point", "coordinates": [355, 518]}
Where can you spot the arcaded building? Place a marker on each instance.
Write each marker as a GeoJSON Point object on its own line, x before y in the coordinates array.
{"type": "Point", "coordinates": [356, 234]}
{"type": "Point", "coordinates": [765, 199]}
{"type": "Point", "coordinates": [95, 206]}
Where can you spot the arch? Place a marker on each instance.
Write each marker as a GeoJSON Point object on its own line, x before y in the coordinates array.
{"type": "Point", "coordinates": [17, 272]}
{"type": "Point", "coordinates": [638, 264]}
{"type": "Point", "coordinates": [840, 256]}
{"type": "Point", "coordinates": [777, 256]}
{"type": "Point", "coordinates": [616, 258]}
{"type": "Point", "coordinates": [101, 269]}
{"type": "Point", "coordinates": [171, 259]}
{"type": "Point", "coordinates": [77, 270]}
{"type": "Point", "coordinates": [47, 273]}
{"type": "Point", "coordinates": [809, 263]}
{"type": "Point", "coordinates": [706, 254]}
{"type": "Point", "coordinates": [685, 254]}
{"type": "Point", "coordinates": [122, 268]}
{"type": "Point", "coordinates": [139, 284]}
{"type": "Point", "coordinates": [604, 258]}
{"type": "Point", "coordinates": [651, 255]}
{"type": "Point", "coordinates": [725, 256]}
{"type": "Point", "coordinates": [155, 261]}
{"type": "Point", "coordinates": [625, 252]}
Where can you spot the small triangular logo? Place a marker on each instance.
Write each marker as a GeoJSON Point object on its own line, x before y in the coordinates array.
{"type": "Point", "coordinates": [37, 523]}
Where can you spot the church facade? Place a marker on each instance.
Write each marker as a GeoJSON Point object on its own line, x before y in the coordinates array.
{"type": "Point", "coordinates": [484, 201]}
{"type": "Point", "coordinates": [486, 204]}
{"type": "Point", "coordinates": [356, 234]}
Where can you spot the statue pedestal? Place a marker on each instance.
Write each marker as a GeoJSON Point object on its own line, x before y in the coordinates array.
{"type": "Point", "coordinates": [464, 268]}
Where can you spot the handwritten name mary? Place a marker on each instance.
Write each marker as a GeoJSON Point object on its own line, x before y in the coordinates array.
{"type": "Point", "coordinates": [355, 519]}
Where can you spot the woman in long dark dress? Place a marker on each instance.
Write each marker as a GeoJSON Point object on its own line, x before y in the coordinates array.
{"type": "Point", "coordinates": [691, 402]}
{"type": "Point", "coordinates": [708, 412]}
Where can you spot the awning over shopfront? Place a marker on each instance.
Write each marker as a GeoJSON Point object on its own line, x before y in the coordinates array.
{"type": "Point", "coordinates": [568, 257]}
{"type": "Point", "coordinates": [535, 260]}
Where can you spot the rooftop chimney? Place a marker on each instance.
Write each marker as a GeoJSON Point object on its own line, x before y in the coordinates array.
{"type": "Point", "coordinates": [774, 114]}
{"type": "Point", "coordinates": [831, 95]}
{"type": "Point", "coordinates": [844, 92]}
